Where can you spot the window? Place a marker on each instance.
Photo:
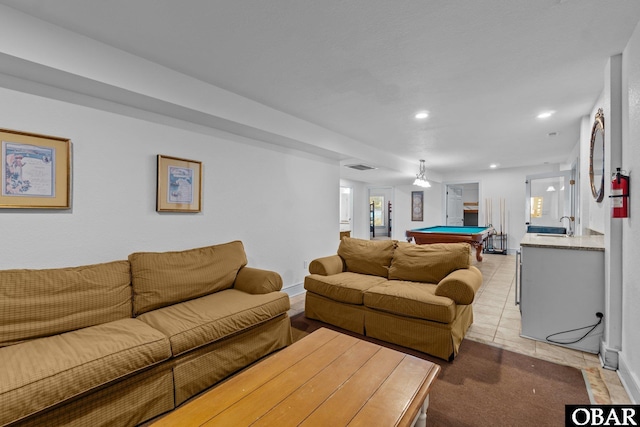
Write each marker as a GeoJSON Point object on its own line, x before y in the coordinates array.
{"type": "Point", "coordinates": [377, 212]}
{"type": "Point", "coordinates": [536, 207]}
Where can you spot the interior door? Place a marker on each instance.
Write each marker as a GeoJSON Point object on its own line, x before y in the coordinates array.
{"type": "Point", "coordinates": [455, 208]}
{"type": "Point", "coordinates": [346, 209]}
{"type": "Point", "coordinates": [549, 197]}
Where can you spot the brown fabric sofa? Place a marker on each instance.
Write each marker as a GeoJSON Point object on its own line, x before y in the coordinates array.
{"type": "Point", "coordinates": [417, 296]}
{"type": "Point", "coordinates": [122, 342]}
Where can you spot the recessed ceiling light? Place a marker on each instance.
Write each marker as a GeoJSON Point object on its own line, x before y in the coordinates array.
{"type": "Point", "coordinates": [545, 114]}
{"type": "Point", "coordinates": [422, 115]}
{"type": "Point", "coordinates": [493, 165]}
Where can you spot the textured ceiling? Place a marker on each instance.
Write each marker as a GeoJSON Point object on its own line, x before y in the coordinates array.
{"type": "Point", "coordinates": [362, 68]}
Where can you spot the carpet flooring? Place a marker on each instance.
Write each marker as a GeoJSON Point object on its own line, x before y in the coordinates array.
{"type": "Point", "coordinates": [489, 386]}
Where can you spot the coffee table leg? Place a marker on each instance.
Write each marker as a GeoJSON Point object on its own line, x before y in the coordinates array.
{"type": "Point", "coordinates": [421, 420]}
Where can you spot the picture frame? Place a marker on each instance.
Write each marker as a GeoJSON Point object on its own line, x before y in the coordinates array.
{"type": "Point", "coordinates": [36, 171]}
{"type": "Point", "coordinates": [179, 187]}
{"type": "Point", "coordinates": [417, 205]}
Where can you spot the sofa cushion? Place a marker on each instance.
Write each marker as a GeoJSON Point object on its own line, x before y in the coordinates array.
{"type": "Point", "coordinates": [367, 256]}
{"type": "Point", "coordinates": [201, 321]}
{"type": "Point", "coordinates": [342, 287]}
{"type": "Point", "coordinates": [164, 278]}
{"type": "Point", "coordinates": [39, 303]}
{"type": "Point", "coordinates": [428, 263]}
{"type": "Point", "coordinates": [411, 299]}
{"type": "Point", "coordinates": [40, 373]}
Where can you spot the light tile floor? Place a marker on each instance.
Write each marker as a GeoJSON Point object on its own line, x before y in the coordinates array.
{"type": "Point", "coordinates": [497, 322]}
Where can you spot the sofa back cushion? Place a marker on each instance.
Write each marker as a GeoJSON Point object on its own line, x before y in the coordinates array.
{"type": "Point", "coordinates": [428, 263]}
{"type": "Point", "coordinates": [367, 256]}
{"type": "Point", "coordinates": [41, 303]}
{"type": "Point", "coordinates": [163, 278]}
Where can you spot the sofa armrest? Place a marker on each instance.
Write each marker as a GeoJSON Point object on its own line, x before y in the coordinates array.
{"type": "Point", "coordinates": [461, 285]}
{"type": "Point", "coordinates": [327, 266]}
{"type": "Point", "coordinates": [257, 281]}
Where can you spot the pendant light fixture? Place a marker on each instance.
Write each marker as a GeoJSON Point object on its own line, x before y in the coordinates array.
{"type": "Point", "coordinates": [421, 178]}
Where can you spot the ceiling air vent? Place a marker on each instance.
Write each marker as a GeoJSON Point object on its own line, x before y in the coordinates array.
{"type": "Point", "coordinates": [360, 167]}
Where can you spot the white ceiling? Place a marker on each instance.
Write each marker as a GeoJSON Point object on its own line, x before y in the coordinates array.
{"type": "Point", "coordinates": [363, 68]}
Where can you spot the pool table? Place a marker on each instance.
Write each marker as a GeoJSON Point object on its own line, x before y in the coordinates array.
{"type": "Point", "coordinates": [475, 236]}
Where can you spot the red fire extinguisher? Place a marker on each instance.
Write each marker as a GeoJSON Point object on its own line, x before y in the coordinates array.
{"type": "Point", "coordinates": [619, 195]}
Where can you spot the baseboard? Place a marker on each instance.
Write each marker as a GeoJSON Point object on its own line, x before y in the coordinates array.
{"type": "Point", "coordinates": [629, 380]}
{"type": "Point", "coordinates": [295, 289]}
{"type": "Point", "coordinates": [609, 357]}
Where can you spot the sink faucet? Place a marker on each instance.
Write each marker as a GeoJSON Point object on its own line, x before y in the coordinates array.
{"type": "Point", "coordinates": [570, 218]}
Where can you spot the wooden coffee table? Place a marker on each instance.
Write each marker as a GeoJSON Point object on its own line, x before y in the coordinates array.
{"type": "Point", "coordinates": [325, 379]}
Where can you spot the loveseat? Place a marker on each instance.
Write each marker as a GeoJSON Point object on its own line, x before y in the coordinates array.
{"type": "Point", "coordinates": [416, 296]}
{"type": "Point", "coordinates": [121, 342]}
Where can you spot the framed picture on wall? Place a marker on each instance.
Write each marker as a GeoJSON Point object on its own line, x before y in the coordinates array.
{"type": "Point", "coordinates": [417, 205]}
{"type": "Point", "coordinates": [179, 186]}
{"type": "Point", "coordinates": [36, 171]}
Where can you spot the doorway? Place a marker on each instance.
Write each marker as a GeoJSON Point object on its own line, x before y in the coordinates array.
{"type": "Point", "coordinates": [380, 213]}
{"type": "Point", "coordinates": [346, 211]}
{"type": "Point", "coordinates": [462, 204]}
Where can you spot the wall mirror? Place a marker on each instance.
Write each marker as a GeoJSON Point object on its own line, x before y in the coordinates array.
{"type": "Point", "coordinates": [596, 157]}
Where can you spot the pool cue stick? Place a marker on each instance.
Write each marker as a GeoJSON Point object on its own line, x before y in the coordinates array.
{"type": "Point", "coordinates": [486, 211]}
{"type": "Point", "coordinates": [501, 214]}
{"type": "Point", "coordinates": [491, 211]}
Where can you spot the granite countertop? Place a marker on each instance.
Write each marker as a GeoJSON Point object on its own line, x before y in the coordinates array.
{"type": "Point", "coordinates": [583, 243]}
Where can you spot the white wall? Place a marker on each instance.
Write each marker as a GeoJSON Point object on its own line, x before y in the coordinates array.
{"type": "Point", "coordinates": [250, 193]}
{"type": "Point", "coordinates": [612, 106]}
{"type": "Point", "coordinates": [432, 209]}
{"type": "Point", "coordinates": [629, 366]}
{"type": "Point", "coordinates": [622, 293]}
{"type": "Point", "coordinates": [470, 193]}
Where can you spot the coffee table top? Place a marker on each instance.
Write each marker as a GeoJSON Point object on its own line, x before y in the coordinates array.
{"type": "Point", "coordinates": [326, 378]}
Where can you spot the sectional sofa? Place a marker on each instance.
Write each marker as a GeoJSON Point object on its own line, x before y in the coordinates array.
{"type": "Point", "coordinates": [417, 296]}
{"type": "Point", "coordinates": [121, 342]}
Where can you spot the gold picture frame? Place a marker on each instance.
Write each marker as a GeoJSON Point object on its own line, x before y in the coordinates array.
{"type": "Point", "coordinates": [179, 187]}
{"type": "Point", "coordinates": [36, 171]}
